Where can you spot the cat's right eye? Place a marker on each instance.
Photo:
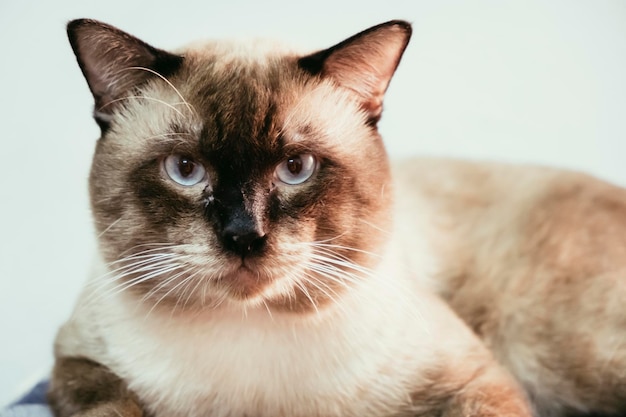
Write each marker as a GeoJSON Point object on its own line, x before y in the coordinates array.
{"type": "Point", "coordinates": [183, 170]}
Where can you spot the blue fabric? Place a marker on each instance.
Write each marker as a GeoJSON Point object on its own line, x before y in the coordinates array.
{"type": "Point", "coordinates": [32, 404]}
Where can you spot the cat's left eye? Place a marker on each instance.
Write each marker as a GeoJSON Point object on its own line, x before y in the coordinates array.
{"type": "Point", "coordinates": [183, 170]}
{"type": "Point", "coordinates": [296, 169]}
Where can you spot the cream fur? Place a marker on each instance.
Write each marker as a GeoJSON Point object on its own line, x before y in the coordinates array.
{"type": "Point", "coordinates": [361, 357]}
{"type": "Point", "coordinates": [351, 305]}
{"type": "Point", "coordinates": [532, 259]}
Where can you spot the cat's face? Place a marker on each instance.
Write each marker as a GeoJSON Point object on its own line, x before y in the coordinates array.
{"type": "Point", "coordinates": [239, 173]}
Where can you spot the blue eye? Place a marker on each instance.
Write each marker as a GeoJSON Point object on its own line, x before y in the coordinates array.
{"type": "Point", "coordinates": [296, 169]}
{"type": "Point", "coordinates": [183, 170]}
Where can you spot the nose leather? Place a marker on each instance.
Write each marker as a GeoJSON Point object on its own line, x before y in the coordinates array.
{"type": "Point", "coordinates": [243, 236]}
{"type": "Point", "coordinates": [237, 223]}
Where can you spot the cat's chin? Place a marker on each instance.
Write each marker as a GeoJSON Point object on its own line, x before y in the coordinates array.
{"type": "Point", "coordinates": [249, 288]}
{"type": "Point", "coordinates": [245, 283]}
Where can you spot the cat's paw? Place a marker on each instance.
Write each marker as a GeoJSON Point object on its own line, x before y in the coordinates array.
{"type": "Point", "coordinates": [489, 400]}
{"type": "Point", "coordinates": [80, 387]}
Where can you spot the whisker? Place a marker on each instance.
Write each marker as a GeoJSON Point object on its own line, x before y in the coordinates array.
{"type": "Point", "coordinates": [267, 307]}
{"type": "Point", "coordinates": [185, 102]}
{"type": "Point", "coordinates": [330, 239]}
{"type": "Point", "coordinates": [115, 275]}
{"type": "Point", "coordinates": [110, 226]}
{"type": "Point", "coordinates": [150, 260]}
{"type": "Point", "coordinates": [346, 248]}
{"type": "Point", "coordinates": [193, 290]}
{"type": "Point", "coordinates": [332, 273]}
{"type": "Point", "coordinates": [372, 225]}
{"type": "Point", "coordinates": [154, 246]}
{"type": "Point", "coordinates": [142, 98]}
{"type": "Point", "coordinates": [139, 261]}
{"type": "Point", "coordinates": [185, 283]}
{"type": "Point", "coordinates": [337, 268]}
{"type": "Point", "coordinates": [337, 263]}
{"type": "Point", "coordinates": [306, 293]}
{"type": "Point", "coordinates": [138, 280]}
{"type": "Point", "coordinates": [168, 135]}
{"type": "Point", "coordinates": [141, 264]}
{"type": "Point", "coordinates": [314, 281]}
{"type": "Point", "coordinates": [164, 284]}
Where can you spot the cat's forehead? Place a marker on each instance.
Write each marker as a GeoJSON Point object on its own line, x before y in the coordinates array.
{"type": "Point", "coordinates": [238, 92]}
{"type": "Point", "coordinates": [257, 90]}
{"type": "Point", "coordinates": [239, 76]}
{"type": "Point", "coordinates": [217, 69]}
{"type": "Point", "coordinates": [243, 99]}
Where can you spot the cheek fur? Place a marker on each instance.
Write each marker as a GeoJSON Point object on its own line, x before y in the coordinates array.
{"type": "Point", "coordinates": [162, 203]}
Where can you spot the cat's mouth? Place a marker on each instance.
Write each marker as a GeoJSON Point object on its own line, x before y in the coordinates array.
{"type": "Point", "coordinates": [246, 281]}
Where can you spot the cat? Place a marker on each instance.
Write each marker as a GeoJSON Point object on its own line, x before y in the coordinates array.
{"type": "Point", "coordinates": [260, 256]}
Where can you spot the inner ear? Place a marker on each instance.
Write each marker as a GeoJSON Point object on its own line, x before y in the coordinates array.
{"type": "Point", "coordinates": [364, 63]}
{"type": "Point", "coordinates": [114, 62]}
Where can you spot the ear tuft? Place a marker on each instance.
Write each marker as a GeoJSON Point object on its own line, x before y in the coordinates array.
{"type": "Point", "coordinates": [114, 62]}
{"type": "Point", "coordinates": [364, 63]}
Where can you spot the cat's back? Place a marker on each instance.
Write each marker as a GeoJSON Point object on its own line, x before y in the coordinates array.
{"type": "Point", "coordinates": [534, 260]}
{"type": "Point", "coordinates": [502, 218]}
{"type": "Point", "coordinates": [466, 184]}
{"type": "Point", "coordinates": [477, 198]}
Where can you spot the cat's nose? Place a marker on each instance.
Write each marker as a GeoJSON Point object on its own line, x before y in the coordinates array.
{"type": "Point", "coordinates": [243, 239]}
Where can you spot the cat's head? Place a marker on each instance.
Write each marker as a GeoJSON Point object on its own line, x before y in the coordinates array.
{"type": "Point", "coordinates": [239, 173]}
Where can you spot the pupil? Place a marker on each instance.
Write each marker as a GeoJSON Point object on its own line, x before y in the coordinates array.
{"type": "Point", "coordinates": [185, 167]}
{"type": "Point", "coordinates": [294, 165]}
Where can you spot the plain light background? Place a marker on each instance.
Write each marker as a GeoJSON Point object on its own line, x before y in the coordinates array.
{"type": "Point", "coordinates": [528, 81]}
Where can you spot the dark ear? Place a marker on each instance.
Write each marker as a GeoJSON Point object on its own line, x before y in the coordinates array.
{"type": "Point", "coordinates": [364, 63]}
{"type": "Point", "coordinates": [114, 62]}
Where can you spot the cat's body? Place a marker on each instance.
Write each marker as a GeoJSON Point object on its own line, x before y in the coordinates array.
{"type": "Point", "coordinates": [254, 260]}
{"type": "Point", "coordinates": [534, 260]}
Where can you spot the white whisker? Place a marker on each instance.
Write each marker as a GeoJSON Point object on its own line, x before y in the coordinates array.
{"type": "Point", "coordinates": [154, 247]}
{"type": "Point", "coordinates": [267, 307]}
{"type": "Point", "coordinates": [109, 227]}
{"type": "Point", "coordinates": [185, 102]}
{"type": "Point", "coordinates": [372, 225]}
{"type": "Point", "coordinates": [143, 278]}
{"type": "Point", "coordinates": [346, 248]}
{"type": "Point", "coordinates": [142, 98]}
{"type": "Point", "coordinates": [193, 290]}
{"type": "Point", "coordinates": [307, 294]}
{"type": "Point", "coordinates": [165, 284]}
{"type": "Point", "coordinates": [115, 275]}
{"type": "Point", "coordinates": [317, 283]}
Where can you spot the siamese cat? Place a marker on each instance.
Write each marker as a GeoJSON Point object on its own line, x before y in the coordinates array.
{"type": "Point", "coordinates": [259, 256]}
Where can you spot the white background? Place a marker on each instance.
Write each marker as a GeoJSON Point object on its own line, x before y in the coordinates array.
{"type": "Point", "coordinates": [524, 81]}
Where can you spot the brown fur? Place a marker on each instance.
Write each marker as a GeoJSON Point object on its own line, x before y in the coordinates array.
{"type": "Point", "coordinates": [530, 259]}
{"type": "Point", "coordinates": [534, 263]}
{"type": "Point", "coordinates": [467, 388]}
{"type": "Point", "coordinates": [81, 387]}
